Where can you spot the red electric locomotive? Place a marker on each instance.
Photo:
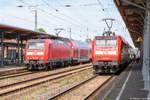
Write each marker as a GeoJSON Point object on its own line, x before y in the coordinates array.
{"type": "Point", "coordinates": [108, 53]}
{"type": "Point", "coordinates": [45, 53]}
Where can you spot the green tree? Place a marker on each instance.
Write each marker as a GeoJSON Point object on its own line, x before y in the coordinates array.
{"type": "Point", "coordinates": [41, 30]}
{"type": "Point", "coordinates": [88, 40]}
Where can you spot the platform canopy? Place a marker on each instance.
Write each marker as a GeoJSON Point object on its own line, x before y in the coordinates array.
{"type": "Point", "coordinates": [11, 32]}
{"type": "Point", "coordinates": [133, 14]}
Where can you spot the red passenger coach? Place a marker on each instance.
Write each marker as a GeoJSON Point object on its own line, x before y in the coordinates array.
{"type": "Point", "coordinates": [108, 53]}
{"type": "Point", "coordinates": [84, 51]}
{"type": "Point", "coordinates": [81, 51]}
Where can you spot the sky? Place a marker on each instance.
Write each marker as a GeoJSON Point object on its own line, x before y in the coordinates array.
{"type": "Point", "coordinates": [83, 17]}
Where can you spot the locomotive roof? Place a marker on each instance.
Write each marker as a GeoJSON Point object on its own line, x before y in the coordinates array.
{"type": "Point", "coordinates": [117, 36]}
{"type": "Point", "coordinates": [109, 36]}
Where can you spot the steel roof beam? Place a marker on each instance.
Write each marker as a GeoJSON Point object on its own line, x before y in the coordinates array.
{"type": "Point", "coordinates": [134, 4]}
{"type": "Point", "coordinates": [130, 6]}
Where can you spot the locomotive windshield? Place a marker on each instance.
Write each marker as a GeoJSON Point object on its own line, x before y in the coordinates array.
{"type": "Point", "coordinates": [106, 41]}
{"type": "Point", "coordinates": [36, 44]}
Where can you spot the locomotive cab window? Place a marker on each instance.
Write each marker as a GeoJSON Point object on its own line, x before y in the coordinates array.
{"type": "Point", "coordinates": [106, 42]}
{"type": "Point", "coordinates": [36, 44]}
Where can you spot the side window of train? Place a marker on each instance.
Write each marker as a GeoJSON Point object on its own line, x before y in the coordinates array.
{"type": "Point", "coordinates": [52, 41]}
{"type": "Point", "coordinates": [55, 41]}
{"type": "Point", "coordinates": [65, 43]}
{"type": "Point", "coordinates": [60, 42]}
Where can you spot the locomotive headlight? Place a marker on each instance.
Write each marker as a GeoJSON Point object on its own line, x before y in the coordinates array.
{"type": "Point", "coordinates": [106, 52]}
{"type": "Point", "coordinates": [98, 52]}
{"type": "Point", "coordinates": [40, 53]}
{"type": "Point", "coordinates": [29, 53]}
{"type": "Point", "coordinates": [112, 52]}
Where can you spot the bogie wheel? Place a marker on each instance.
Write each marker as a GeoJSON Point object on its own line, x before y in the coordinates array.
{"type": "Point", "coordinates": [45, 67]}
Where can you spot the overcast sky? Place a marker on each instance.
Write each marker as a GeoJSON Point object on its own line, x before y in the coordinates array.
{"type": "Point", "coordinates": [84, 17]}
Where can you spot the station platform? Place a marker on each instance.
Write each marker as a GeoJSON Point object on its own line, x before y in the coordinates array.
{"type": "Point", "coordinates": [129, 85]}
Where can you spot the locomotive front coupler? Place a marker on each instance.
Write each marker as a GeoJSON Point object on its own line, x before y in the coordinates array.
{"type": "Point", "coordinates": [105, 64]}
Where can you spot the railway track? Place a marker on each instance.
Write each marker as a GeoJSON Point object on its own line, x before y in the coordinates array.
{"type": "Point", "coordinates": [12, 75]}
{"type": "Point", "coordinates": [14, 78]}
{"type": "Point", "coordinates": [14, 87]}
{"type": "Point", "coordinates": [12, 71]}
{"type": "Point", "coordinates": [93, 94]}
{"type": "Point", "coordinates": [82, 86]}
{"type": "Point", "coordinates": [16, 73]}
{"type": "Point", "coordinates": [3, 70]}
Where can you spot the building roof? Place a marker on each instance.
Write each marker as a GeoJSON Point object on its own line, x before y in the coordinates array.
{"type": "Point", "coordinates": [11, 32]}
{"type": "Point", "coordinates": [132, 16]}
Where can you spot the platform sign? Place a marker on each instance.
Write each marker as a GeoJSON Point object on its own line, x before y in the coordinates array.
{"type": "Point", "coordinates": [139, 39]}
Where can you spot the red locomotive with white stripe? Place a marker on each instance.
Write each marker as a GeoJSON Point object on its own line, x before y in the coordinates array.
{"type": "Point", "coordinates": [48, 53]}
{"type": "Point", "coordinates": [109, 53]}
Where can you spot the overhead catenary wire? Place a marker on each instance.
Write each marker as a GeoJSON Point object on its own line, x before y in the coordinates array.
{"type": "Point", "coordinates": [57, 10]}
{"type": "Point", "coordinates": [60, 19]}
{"type": "Point", "coordinates": [24, 19]}
{"type": "Point", "coordinates": [50, 14]}
{"type": "Point", "coordinates": [81, 14]}
{"type": "Point", "coordinates": [101, 5]}
{"type": "Point", "coordinates": [86, 25]}
{"type": "Point", "coordinates": [118, 22]}
{"type": "Point", "coordinates": [70, 20]}
{"type": "Point", "coordinates": [28, 21]}
{"type": "Point", "coordinates": [123, 26]}
{"type": "Point", "coordinates": [103, 10]}
{"type": "Point", "coordinates": [40, 10]}
{"type": "Point", "coordinates": [107, 13]}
